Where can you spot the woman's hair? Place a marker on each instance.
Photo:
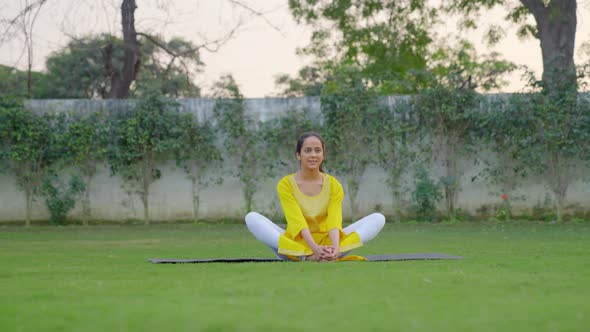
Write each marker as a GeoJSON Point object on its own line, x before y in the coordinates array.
{"type": "Point", "coordinates": [302, 139]}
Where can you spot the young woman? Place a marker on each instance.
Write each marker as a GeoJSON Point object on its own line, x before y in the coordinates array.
{"type": "Point", "coordinates": [312, 204]}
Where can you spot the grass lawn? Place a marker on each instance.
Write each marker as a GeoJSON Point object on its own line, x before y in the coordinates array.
{"type": "Point", "coordinates": [515, 278]}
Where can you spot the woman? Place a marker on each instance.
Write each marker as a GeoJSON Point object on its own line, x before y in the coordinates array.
{"type": "Point", "coordinates": [312, 204]}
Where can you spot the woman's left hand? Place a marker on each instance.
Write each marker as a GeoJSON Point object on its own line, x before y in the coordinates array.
{"type": "Point", "coordinates": [332, 253]}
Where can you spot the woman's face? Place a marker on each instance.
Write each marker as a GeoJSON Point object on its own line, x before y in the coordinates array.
{"type": "Point", "coordinates": [312, 154]}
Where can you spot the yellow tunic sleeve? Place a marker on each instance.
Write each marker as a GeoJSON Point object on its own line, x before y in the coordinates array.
{"type": "Point", "coordinates": [334, 219]}
{"type": "Point", "coordinates": [295, 219]}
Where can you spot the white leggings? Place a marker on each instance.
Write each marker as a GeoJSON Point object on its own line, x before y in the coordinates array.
{"type": "Point", "coordinates": [268, 232]}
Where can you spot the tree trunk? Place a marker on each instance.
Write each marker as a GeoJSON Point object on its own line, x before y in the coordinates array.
{"type": "Point", "coordinates": [451, 185]}
{"type": "Point", "coordinates": [29, 80]}
{"type": "Point", "coordinates": [353, 188]}
{"type": "Point", "coordinates": [29, 207]}
{"type": "Point", "coordinates": [86, 210]}
{"type": "Point", "coordinates": [196, 200]}
{"type": "Point", "coordinates": [147, 179]}
{"type": "Point", "coordinates": [121, 80]}
{"type": "Point", "coordinates": [556, 25]}
{"type": "Point", "coordinates": [248, 198]}
{"type": "Point", "coordinates": [146, 211]}
{"type": "Point", "coordinates": [395, 183]}
{"type": "Point", "coordinates": [560, 176]}
{"type": "Point", "coordinates": [397, 205]}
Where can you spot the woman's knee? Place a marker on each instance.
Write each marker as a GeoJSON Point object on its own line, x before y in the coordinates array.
{"type": "Point", "coordinates": [252, 217]}
{"type": "Point", "coordinates": [378, 219]}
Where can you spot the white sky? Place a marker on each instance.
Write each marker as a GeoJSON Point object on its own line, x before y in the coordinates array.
{"type": "Point", "coordinates": [254, 56]}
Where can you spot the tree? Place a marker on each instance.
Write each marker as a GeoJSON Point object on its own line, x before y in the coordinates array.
{"type": "Point", "coordinates": [82, 69]}
{"type": "Point", "coordinates": [349, 111]}
{"type": "Point", "coordinates": [391, 38]}
{"type": "Point", "coordinates": [170, 67]}
{"type": "Point", "coordinates": [198, 156]}
{"type": "Point", "coordinates": [124, 70]}
{"type": "Point", "coordinates": [555, 28]}
{"type": "Point", "coordinates": [445, 117]}
{"type": "Point", "coordinates": [144, 137]}
{"type": "Point", "coordinates": [309, 82]}
{"type": "Point", "coordinates": [549, 136]}
{"type": "Point", "coordinates": [85, 145]}
{"type": "Point", "coordinates": [25, 22]}
{"type": "Point", "coordinates": [13, 83]}
{"type": "Point", "coordinates": [122, 78]}
{"type": "Point", "coordinates": [503, 170]}
{"type": "Point", "coordinates": [446, 109]}
{"type": "Point", "coordinates": [27, 143]}
{"type": "Point", "coordinates": [243, 146]}
{"type": "Point", "coordinates": [79, 69]}
{"type": "Point", "coordinates": [394, 141]}
{"type": "Point", "coordinates": [387, 40]}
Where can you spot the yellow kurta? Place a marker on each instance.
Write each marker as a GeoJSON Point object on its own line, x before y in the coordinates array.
{"type": "Point", "coordinates": [319, 213]}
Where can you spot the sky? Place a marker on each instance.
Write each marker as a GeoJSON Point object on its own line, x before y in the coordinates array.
{"type": "Point", "coordinates": [263, 47]}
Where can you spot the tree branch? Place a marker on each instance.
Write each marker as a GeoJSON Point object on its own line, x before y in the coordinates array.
{"type": "Point", "coordinates": [26, 10]}
{"type": "Point", "coordinates": [207, 45]}
{"type": "Point", "coordinates": [11, 23]}
{"type": "Point", "coordinates": [255, 12]}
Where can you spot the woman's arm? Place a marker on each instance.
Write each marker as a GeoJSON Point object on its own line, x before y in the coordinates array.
{"type": "Point", "coordinates": [295, 219]}
{"type": "Point", "coordinates": [334, 221]}
{"type": "Point", "coordinates": [318, 251]}
{"type": "Point", "coordinates": [334, 250]}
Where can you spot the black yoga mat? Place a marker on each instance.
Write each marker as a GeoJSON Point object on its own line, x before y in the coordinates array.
{"type": "Point", "coordinates": [371, 258]}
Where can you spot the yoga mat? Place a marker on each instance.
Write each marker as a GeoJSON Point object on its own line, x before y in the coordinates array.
{"type": "Point", "coordinates": [371, 258]}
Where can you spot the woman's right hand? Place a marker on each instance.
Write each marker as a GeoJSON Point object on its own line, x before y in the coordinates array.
{"type": "Point", "coordinates": [319, 252]}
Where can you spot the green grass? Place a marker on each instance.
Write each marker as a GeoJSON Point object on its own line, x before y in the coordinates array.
{"type": "Point", "coordinates": [514, 278]}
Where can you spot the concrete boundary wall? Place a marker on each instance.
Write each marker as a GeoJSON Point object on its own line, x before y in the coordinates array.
{"type": "Point", "coordinates": [170, 197]}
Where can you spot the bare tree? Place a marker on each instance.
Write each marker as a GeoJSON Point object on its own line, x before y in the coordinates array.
{"type": "Point", "coordinates": [24, 22]}
{"type": "Point", "coordinates": [121, 76]}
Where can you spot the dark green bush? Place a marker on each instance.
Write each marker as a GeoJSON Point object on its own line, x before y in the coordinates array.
{"type": "Point", "coordinates": [60, 197]}
{"type": "Point", "coordinates": [426, 195]}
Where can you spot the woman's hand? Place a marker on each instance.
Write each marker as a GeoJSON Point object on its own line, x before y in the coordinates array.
{"type": "Point", "coordinates": [319, 252]}
{"type": "Point", "coordinates": [331, 253]}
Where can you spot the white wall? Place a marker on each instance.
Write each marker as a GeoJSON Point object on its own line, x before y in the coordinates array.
{"type": "Point", "coordinates": [170, 197]}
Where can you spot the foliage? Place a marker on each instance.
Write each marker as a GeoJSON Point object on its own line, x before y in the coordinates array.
{"type": "Point", "coordinates": [143, 137]}
{"type": "Point", "coordinates": [351, 121]}
{"type": "Point", "coordinates": [550, 135]}
{"type": "Point", "coordinates": [78, 70]}
{"type": "Point", "coordinates": [198, 156]}
{"type": "Point", "coordinates": [447, 110]}
{"type": "Point", "coordinates": [171, 70]}
{"type": "Point", "coordinates": [242, 142]}
{"type": "Point", "coordinates": [13, 83]}
{"type": "Point", "coordinates": [458, 65]}
{"type": "Point", "coordinates": [309, 82]}
{"type": "Point", "coordinates": [28, 148]}
{"type": "Point", "coordinates": [445, 117]}
{"type": "Point", "coordinates": [388, 40]}
{"type": "Point", "coordinates": [81, 70]}
{"type": "Point", "coordinates": [502, 169]}
{"type": "Point", "coordinates": [85, 145]}
{"type": "Point", "coordinates": [281, 134]}
{"type": "Point", "coordinates": [395, 139]}
{"type": "Point", "coordinates": [60, 198]}
{"type": "Point", "coordinates": [554, 26]}
{"type": "Point", "coordinates": [426, 195]}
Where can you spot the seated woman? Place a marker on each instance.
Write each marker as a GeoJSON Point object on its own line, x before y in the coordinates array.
{"type": "Point", "coordinates": [312, 204]}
